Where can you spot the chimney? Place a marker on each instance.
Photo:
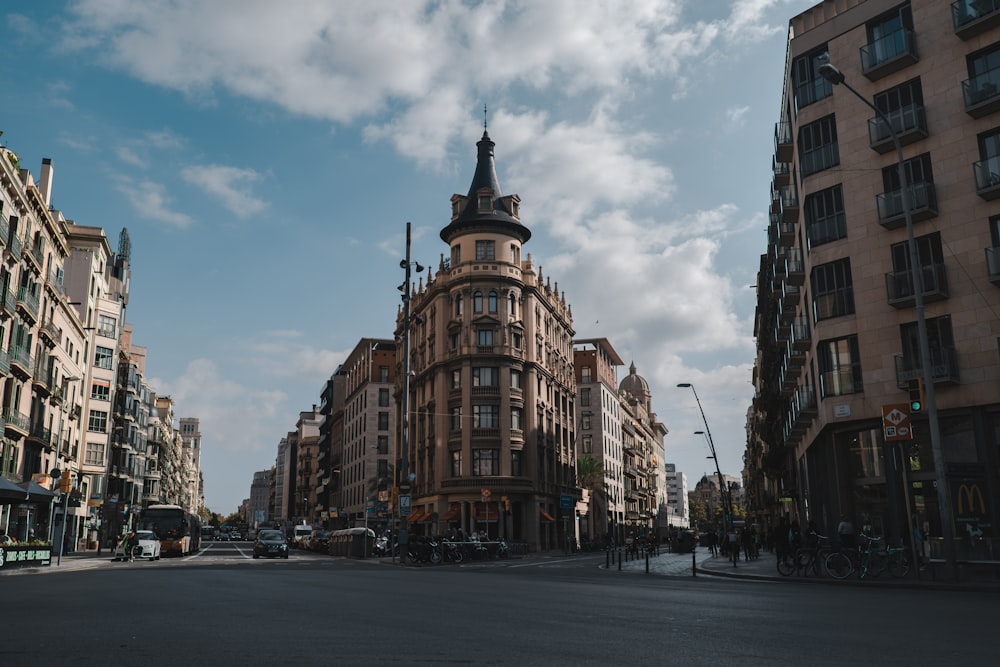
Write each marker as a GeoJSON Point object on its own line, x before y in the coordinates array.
{"type": "Point", "coordinates": [45, 181]}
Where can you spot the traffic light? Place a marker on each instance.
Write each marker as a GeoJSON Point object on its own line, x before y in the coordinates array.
{"type": "Point", "coordinates": [916, 396]}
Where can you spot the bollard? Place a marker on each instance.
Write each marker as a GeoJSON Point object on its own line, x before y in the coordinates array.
{"type": "Point", "coordinates": [619, 560]}
{"type": "Point", "coordinates": [647, 562]}
{"type": "Point", "coordinates": [694, 565]}
{"type": "Point", "coordinates": [607, 559]}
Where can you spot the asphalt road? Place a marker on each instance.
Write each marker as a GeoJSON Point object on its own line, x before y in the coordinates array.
{"type": "Point", "coordinates": [223, 608]}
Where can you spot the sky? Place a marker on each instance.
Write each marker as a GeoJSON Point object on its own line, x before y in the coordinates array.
{"type": "Point", "coordinates": [265, 163]}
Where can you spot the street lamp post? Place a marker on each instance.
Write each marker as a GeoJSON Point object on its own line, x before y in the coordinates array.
{"type": "Point", "coordinates": [829, 72]}
{"type": "Point", "coordinates": [727, 510]}
{"type": "Point", "coordinates": [404, 465]}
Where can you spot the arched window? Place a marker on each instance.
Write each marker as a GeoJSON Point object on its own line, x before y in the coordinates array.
{"type": "Point", "coordinates": [492, 301]}
{"type": "Point", "coordinates": [458, 305]}
{"type": "Point", "coordinates": [477, 302]}
{"type": "Point", "coordinates": [512, 300]}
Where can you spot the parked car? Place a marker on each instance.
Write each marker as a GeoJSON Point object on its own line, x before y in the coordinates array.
{"type": "Point", "coordinates": [270, 544]}
{"type": "Point", "coordinates": [146, 544]}
{"type": "Point", "coordinates": [235, 536]}
{"type": "Point", "coordinates": [319, 540]}
{"type": "Point", "coordinates": [301, 535]}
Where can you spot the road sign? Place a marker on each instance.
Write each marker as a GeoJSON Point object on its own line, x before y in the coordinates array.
{"type": "Point", "coordinates": [565, 501]}
{"type": "Point", "coordinates": [405, 507]}
{"type": "Point", "coordinates": [896, 421]}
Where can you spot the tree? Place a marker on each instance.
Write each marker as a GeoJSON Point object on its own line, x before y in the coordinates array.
{"type": "Point", "coordinates": [590, 476]}
{"type": "Point", "coordinates": [698, 512]}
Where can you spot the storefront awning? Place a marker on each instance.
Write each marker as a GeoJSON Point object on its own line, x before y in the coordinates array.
{"type": "Point", "coordinates": [11, 491]}
{"type": "Point", "coordinates": [415, 516]}
{"type": "Point", "coordinates": [545, 515]}
{"type": "Point", "coordinates": [36, 492]}
{"type": "Point", "coordinates": [453, 514]}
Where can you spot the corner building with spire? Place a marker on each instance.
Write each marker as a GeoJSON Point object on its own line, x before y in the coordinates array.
{"type": "Point", "coordinates": [492, 437]}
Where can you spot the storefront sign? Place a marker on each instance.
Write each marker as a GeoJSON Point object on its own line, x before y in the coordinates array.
{"type": "Point", "coordinates": [15, 557]}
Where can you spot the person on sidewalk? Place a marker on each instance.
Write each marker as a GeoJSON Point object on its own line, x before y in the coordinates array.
{"type": "Point", "coordinates": [845, 533]}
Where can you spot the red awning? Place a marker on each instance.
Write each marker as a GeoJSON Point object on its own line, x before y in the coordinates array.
{"type": "Point", "coordinates": [415, 516]}
{"type": "Point", "coordinates": [545, 515]}
{"type": "Point", "coordinates": [452, 514]}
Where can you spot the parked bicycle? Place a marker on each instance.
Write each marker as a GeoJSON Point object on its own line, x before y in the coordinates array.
{"type": "Point", "coordinates": [806, 559]}
{"type": "Point", "coordinates": [869, 561]}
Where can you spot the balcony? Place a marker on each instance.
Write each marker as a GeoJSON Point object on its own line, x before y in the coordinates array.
{"type": "Point", "coordinates": [4, 362]}
{"type": "Point", "coordinates": [981, 93]}
{"type": "Point", "coordinates": [909, 123]}
{"type": "Point", "coordinates": [55, 281]}
{"type": "Point", "coordinates": [14, 245]}
{"type": "Point", "coordinates": [923, 205]}
{"type": "Point", "coordinates": [43, 381]}
{"type": "Point", "coordinates": [987, 173]}
{"type": "Point", "coordinates": [782, 172]}
{"type": "Point", "coordinates": [900, 292]}
{"type": "Point", "coordinates": [786, 233]}
{"type": "Point", "coordinates": [783, 141]}
{"type": "Point", "coordinates": [9, 304]}
{"type": "Point", "coordinates": [50, 334]}
{"type": "Point", "coordinates": [21, 362]}
{"type": "Point", "coordinates": [973, 17]}
{"type": "Point", "coordinates": [795, 272]}
{"type": "Point", "coordinates": [790, 294]}
{"type": "Point", "coordinates": [27, 301]}
{"type": "Point", "coordinates": [889, 54]}
{"type": "Point", "coordinates": [16, 422]}
{"type": "Point", "coordinates": [40, 434]}
{"type": "Point", "coordinates": [788, 203]}
{"type": "Point", "coordinates": [993, 265]}
{"type": "Point", "coordinates": [800, 337]}
{"type": "Point", "coordinates": [811, 92]}
{"type": "Point", "coordinates": [944, 367]}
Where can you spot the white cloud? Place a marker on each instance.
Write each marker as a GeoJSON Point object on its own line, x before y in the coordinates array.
{"type": "Point", "coordinates": [230, 185]}
{"type": "Point", "coordinates": [151, 201]}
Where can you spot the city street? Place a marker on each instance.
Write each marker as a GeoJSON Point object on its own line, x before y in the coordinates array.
{"type": "Point", "coordinates": [223, 608]}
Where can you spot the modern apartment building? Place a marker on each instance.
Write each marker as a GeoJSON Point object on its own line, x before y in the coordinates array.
{"type": "Point", "coordinates": [837, 323]}
{"type": "Point", "coordinates": [491, 442]}
{"type": "Point", "coordinates": [678, 513]}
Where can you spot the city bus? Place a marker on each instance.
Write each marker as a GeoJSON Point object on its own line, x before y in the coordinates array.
{"type": "Point", "coordinates": [179, 530]}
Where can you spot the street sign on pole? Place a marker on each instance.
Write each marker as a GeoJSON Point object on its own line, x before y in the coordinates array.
{"type": "Point", "coordinates": [896, 422]}
{"type": "Point", "coordinates": [405, 507]}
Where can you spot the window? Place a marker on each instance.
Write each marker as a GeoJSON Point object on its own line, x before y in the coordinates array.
{"type": "Point", "coordinates": [485, 377]}
{"type": "Point", "coordinates": [931, 264]}
{"type": "Point", "coordinates": [456, 419]}
{"type": "Point", "coordinates": [106, 326]}
{"type": "Point", "coordinates": [903, 105]}
{"type": "Point", "coordinates": [585, 374]}
{"type": "Point", "coordinates": [485, 250]}
{"type": "Point", "coordinates": [477, 302]}
{"type": "Point", "coordinates": [383, 373]}
{"type": "Point", "coordinates": [485, 204]}
{"type": "Point", "coordinates": [919, 182]}
{"type": "Point", "coordinates": [485, 337]}
{"type": "Point", "coordinates": [456, 463]}
{"type": "Point", "coordinates": [888, 37]}
{"type": "Point", "coordinates": [516, 339]}
{"type": "Point", "coordinates": [453, 341]}
{"type": "Point", "coordinates": [103, 357]}
{"type": "Point", "coordinates": [456, 379]}
{"type": "Point", "coordinates": [839, 366]}
{"type": "Point", "coordinates": [383, 397]}
{"type": "Point", "coordinates": [458, 305]}
{"type": "Point", "coordinates": [515, 463]}
{"type": "Point", "coordinates": [984, 75]}
{"type": "Point", "coordinates": [485, 462]}
{"type": "Point", "coordinates": [512, 305]}
{"type": "Point", "coordinates": [825, 219]}
{"type": "Point", "coordinates": [940, 340]}
{"type": "Point", "coordinates": [100, 391]}
{"type": "Point", "coordinates": [588, 444]}
{"type": "Point", "coordinates": [486, 416]}
{"type": "Point", "coordinates": [585, 396]}
{"type": "Point", "coordinates": [988, 169]}
{"type": "Point", "coordinates": [383, 444]}
{"type": "Point", "coordinates": [833, 290]}
{"type": "Point", "coordinates": [456, 255]}
{"type": "Point", "coordinates": [516, 418]}
{"type": "Point", "coordinates": [585, 421]}
{"type": "Point", "coordinates": [98, 422]}
{"type": "Point", "coordinates": [383, 421]}
{"type": "Point", "coordinates": [818, 149]}
{"type": "Point", "coordinates": [515, 379]}
{"type": "Point", "coordinates": [94, 454]}
{"type": "Point", "coordinates": [491, 302]}
{"type": "Point", "coordinates": [809, 84]}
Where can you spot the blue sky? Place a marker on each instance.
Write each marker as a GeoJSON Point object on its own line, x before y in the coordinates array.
{"type": "Point", "coordinates": [266, 161]}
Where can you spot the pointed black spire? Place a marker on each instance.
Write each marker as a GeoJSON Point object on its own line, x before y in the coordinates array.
{"type": "Point", "coordinates": [486, 171]}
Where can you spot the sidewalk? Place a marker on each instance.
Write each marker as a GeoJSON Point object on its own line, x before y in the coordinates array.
{"type": "Point", "coordinates": [78, 560]}
{"type": "Point", "coordinates": [765, 568]}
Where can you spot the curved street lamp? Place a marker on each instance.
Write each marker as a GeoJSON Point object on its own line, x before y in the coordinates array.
{"type": "Point", "coordinates": [829, 72]}
{"type": "Point", "coordinates": [727, 501]}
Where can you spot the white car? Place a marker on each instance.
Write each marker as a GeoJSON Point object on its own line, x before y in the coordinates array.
{"type": "Point", "coordinates": [147, 545]}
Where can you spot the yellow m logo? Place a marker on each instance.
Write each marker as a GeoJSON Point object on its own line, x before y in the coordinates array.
{"type": "Point", "coordinates": [969, 496]}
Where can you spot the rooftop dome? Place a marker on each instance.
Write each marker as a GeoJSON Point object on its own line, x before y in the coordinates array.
{"type": "Point", "coordinates": [635, 384]}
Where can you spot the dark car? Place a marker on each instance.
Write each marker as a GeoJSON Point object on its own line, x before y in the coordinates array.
{"type": "Point", "coordinates": [270, 544]}
{"type": "Point", "coordinates": [319, 540]}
